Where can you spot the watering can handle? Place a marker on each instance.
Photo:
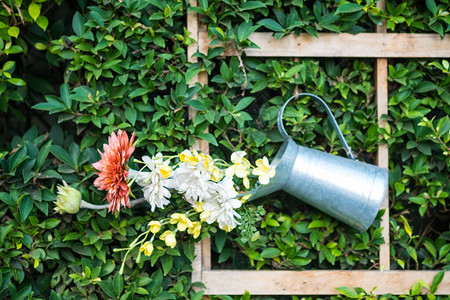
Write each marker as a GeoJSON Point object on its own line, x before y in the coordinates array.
{"type": "Point", "coordinates": [283, 132]}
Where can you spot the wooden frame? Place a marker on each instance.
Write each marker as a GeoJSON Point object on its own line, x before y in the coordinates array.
{"type": "Point", "coordinates": [379, 45]}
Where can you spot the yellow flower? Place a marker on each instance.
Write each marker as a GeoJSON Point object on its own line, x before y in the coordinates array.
{"type": "Point", "coordinates": [182, 220]}
{"type": "Point", "coordinates": [155, 226]}
{"type": "Point", "coordinates": [204, 215]}
{"type": "Point", "coordinates": [68, 199]}
{"type": "Point", "coordinates": [169, 238]}
{"type": "Point", "coordinates": [240, 167]}
{"type": "Point", "coordinates": [196, 229]}
{"type": "Point", "coordinates": [245, 198]}
{"type": "Point", "coordinates": [187, 156]}
{"type": "Point", "coordinates": [198, 206]}
{"type": "Point", "coordinates": [216, 174]}
{"type": "Point", "coordinates": [147, 248]}
{"type": "Point", "coordinates": [264, 170]}
{"type": "Point", "coordinates": [226, 228]}
{"type": "Point", "coordinates": [165, 170]}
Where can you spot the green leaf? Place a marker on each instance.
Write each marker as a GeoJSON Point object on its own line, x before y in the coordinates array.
{"type": "Point", "coordinates": [26, 205]}
{"type": "Point", "coordinates": [412, 252]}
{"type": "Point", "coordinates": [5, 197]}
{"type": "Point", "coordinates": [106, 287]}
{"type": "Point", "coordinates": [251, 5]}
{"type": "Point", "coordinates": [138, 92]}
{"type": "Point", "coordinates": [198, 105]}
{"type": "Point", "coordinates": [65, 95]}
{"type": "Point", "coordinates": [61, 154]}
{"type": "Point", "coordinates": [72, 236]}
{"type": "Point", "coordinates": [131, 115]}
{"type": "Point", "coordinates": [436, 281]}
{"type": "Point", "coordinates": [42, 156]}
{"type": "Point", "coordinates": [78, 24]}
{"type": "Point", "coordinates": [4, 230]}
{"type": "Point", "coordinates": [50, 223]}
{"type": "Point", "coordinates": [166, 263]}
{"type": "Point", "coordinates": [430, 247]}
{"type": "Point", "coordinates": [432, 6]}
{"type": "Point", "coordinates": [271, 24]}
{"type": "Point", "coordinates": [219, 239]}
{"type": "Point", "coordinates": [349, 8]}
{"type": "Point", "coordinates": [34, 10]}
{"type": "Point", "coordinates": [243, 103]}
{"type": "Point", "coordinates": [444, 250]}
{"type": "Point", "coordinates": [270, 113]}
{"type": "Point", "coordinates": [9, 66]}
{"type": "Point", "coordinates": [117, 284]}
{"type": "Point", "coordinates": [258, 137]}
{"type": "Point", "coordinates": [270, 252]}
{"type": "Point", "coordinates": [42, 22]}
{"type": "Point", "coordinates": [415, 289]}
{"type": "Point", "coordinates": [98, 18]}
{"type": "Point", "coordinates": [198, 295]}
{"type": "Point", "coordinates": [189, 250]}
{"type": "Point", "coordinates": [425, 86]}
{"type": "Point", "coordinates": [13, 31]}
{"type": "Point", "coordinates": [17, 158]}
{"type": "Point", "coordinates": [17, 81]}
{"type": "Point", "coordinates": [191, 73]}
{"type": "Point", "coordinates": [317, 224]}
{"type": "Point", "coordinates": [208, 137]}
{"type": "Point", "coordinates": [346, 291]}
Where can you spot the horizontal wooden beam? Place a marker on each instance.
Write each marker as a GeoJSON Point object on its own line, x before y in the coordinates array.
{"type": "Point", "coordinates": [322, 282]}
{"type": "Point", "coordinates": [400, 45]}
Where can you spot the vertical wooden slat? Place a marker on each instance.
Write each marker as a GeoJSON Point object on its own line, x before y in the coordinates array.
{"type": "Point", "coordinates": [383, 153]}
{"type": "Point", "coordinates": [192, 26]}
{"type": "Point", "coordinates": [206, 252]}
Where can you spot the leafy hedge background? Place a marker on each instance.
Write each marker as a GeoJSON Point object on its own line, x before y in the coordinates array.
{"type": "Point", "coordinates": [72, 72]}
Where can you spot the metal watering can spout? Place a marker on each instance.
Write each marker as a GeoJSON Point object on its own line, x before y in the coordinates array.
{"type": "Point", "coordinates": [347, 189]}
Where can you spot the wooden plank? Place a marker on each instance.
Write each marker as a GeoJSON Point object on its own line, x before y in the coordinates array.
{"type": "Point", "coordinates": [381, 83]}
{"type": "Point", "coordinates": [377, 45]}
{"type": "Point", "coordinates": [206, 254]}
{"type": "Point", "coordinates": [382, 5]}
{"type": "Point", "coordinates": [323, 282]}
{"type": "Point", "coordinates": [192, 26]}
{"type": "Point", "coordinates": [197, 264]}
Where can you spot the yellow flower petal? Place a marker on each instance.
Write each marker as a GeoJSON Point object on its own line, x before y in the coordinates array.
{"type": "Point", "coordinates": [171, 240]}
{"type": "Point", "coordinates": [147, 248]}
{"type": "Point", "coordinates": [165, 170]}
{"type": "Point", "coordinates": [155, 226]}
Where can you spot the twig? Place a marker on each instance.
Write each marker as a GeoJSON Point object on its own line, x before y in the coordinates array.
{"type": "Point", "coordinates": [7, 8]}
{"type": "Point", "coordinates": [20, 13]}
{"type": "Point", "coordinates": [88, 205]}
{"type": "Point", "coordinates": [241, 64]}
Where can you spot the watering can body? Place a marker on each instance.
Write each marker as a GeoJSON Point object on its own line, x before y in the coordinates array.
{"type": "Point", "coordinates": [347, 189]}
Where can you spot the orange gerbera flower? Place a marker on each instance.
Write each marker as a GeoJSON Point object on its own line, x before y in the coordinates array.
{"type": "Point", "coordinates": [114, 170]}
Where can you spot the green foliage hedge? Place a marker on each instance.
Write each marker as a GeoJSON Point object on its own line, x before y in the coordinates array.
{"type": "Point", "coordinates": [74, 72]}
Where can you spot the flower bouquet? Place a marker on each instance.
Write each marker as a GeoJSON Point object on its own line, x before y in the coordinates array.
{"type": "Point", "coordinates": [201, 191]}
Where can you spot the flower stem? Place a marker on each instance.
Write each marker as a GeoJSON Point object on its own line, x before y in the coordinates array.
{"type": "Point", "coordinates": [88, 205]}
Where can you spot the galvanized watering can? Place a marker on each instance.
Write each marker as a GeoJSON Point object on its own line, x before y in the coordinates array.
{"type": "Point", "coordinates": [347, 189]}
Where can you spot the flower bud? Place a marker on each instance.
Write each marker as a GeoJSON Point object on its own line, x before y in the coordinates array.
{"type": "Point", "coordinates": [169, 238]}
{"type": "Point", "coordinates": [147, 248]}
{"type": "Point", "coordinates": [155, 226]}
{"type": "Point", "coordinates": [68, 199]}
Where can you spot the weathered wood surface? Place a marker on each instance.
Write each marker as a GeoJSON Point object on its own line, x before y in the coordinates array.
{"type": "Point", "coordinates": [376, 45]}
{"type": "Point", "coordinates": [381, 83]}
{"type": "Point", "coordinates": [201, 145]}
{"type": "Point", "coordinates": [233, 282]}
